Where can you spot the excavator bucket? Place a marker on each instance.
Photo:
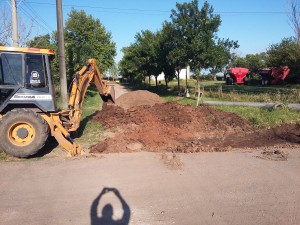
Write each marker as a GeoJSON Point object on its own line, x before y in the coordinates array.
{"type": "Point", "coordinates": [109, 95]}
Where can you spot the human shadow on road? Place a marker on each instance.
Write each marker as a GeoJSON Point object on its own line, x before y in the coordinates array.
{"type": "Point", "coordinates": [107, 210]}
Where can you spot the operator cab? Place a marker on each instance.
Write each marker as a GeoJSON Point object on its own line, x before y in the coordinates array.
{"type": "Point", "coordinates": [25, 78]}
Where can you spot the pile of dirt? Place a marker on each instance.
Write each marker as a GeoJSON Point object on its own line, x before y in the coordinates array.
{"type": "Point", "coordinates": [142, 121]}
{"type": "Point", "coordinates": [137, 98]}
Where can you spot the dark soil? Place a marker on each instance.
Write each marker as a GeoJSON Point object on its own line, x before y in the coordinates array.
{"type": "Point", "coordinates": [142, 121]}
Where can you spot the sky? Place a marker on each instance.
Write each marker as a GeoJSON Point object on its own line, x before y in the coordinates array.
{"type": "Point", "coordinates": [255, 24]}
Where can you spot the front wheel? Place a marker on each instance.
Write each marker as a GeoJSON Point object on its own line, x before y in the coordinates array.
{"type": "Point", "coordinates": [229, 81]}
{"type": "Point", "coordinates": [23, 133]}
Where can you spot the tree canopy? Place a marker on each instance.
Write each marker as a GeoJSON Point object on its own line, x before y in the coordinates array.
{"type": "Point", "coordinates": [86, 37]}
{"type": "Point", "coordinates": [189, 39]}
{"type": "Point", "coordinates": [286, 53]}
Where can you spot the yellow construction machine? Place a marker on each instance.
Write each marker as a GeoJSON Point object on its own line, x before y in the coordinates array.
{"type": "Point", "coordinates": [28, 110]}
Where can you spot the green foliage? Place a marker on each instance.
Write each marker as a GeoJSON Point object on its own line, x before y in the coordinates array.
{"type": "Point", "coordinates": [86, 37]}
{"type": "Point", "coordinates": [3, 155]}
{"type": "Point", "coordinates": [113, 72]}
{"type": "Point", "coordinates": [221, 55]}
{"type": "Point", "coordinates": [264, 118]}
{"type": "Point", "coordinates": [43, 41]}
{"type": "Point", "coordinates": [166, 57]}
{"type": "Point", "coordinates": [189, 39]}
{"type": "Point", "coordinates": [286, 53]}
{"type": "Point", "coordinates": [129, 66]}
{"type": "Point", "coordinates": [197, 31]}
{"type": "Point", "coordinates": [147, 50]}
{"type": "Point", "coordinates": [142, 57]}
{"type": "Point", "coordinates": [237, 61]}
{"type": "Point", "coordinates": [251, 61]}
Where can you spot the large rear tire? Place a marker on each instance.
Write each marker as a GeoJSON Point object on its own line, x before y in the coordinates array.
{"type": "Point", "coordinates": [23, 133]}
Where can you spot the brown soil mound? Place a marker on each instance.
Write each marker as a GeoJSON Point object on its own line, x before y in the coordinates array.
{"type": "Point", "coordinates": [136, 98]}
{"type": "Point", "coordinates": [142, 123]}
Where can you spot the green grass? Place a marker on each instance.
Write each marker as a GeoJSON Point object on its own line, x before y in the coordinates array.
{"type": "Point", "coordinates": [90, 133]}
{"type": "Point", "coordinates": [3, 156]}
{"type": "Point", "coordinates": [264, 118]}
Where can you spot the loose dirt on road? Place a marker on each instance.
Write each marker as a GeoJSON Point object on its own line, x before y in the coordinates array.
{"type": "Point", "coordinates": [142, 121]}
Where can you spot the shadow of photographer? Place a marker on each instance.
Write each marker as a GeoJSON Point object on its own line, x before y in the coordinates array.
{"type": "Point", "coordinates": [108, 211]}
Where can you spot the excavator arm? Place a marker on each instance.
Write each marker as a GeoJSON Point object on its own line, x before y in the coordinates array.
{"type": "Point", "coordinates": [66, 121]}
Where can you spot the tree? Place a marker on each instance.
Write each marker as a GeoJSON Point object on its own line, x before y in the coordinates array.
{"type": "Point", "coordinates": [238, 61]}
{"type": "Point", "coordinates": [147, 50]}
{"type": "Point", "coordinates": [294, 18]}
{"type": "Point", "coordinates": [24, 30]}
{"type": "Point", "coordinates": [197, 31]}
{"type": "Point", "coordinates": [141, 58]}
{"type": "Point", "coordinates": [6, 28]}
{"type": "Point", "coordinates": [221, 55]}
{"type": "Point", "coordinates": [286, 53]}
{"type": "Point", "coordinates": [169, 53]}
{"type": "Point", "coordinates": [129, 66]}
{"type": "Point", "coordinates": [42, 41]}
{"type": "Point", "coordinates": [198, 44]}
{"type": "Point", "coordinates": [86, 37]}
{"type": "Point", "coordinates": [113, 72]}
{"type": "Point", "coordinates": [255, 61]}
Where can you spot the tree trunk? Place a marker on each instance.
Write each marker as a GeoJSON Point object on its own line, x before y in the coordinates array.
{"type": "Point", "coordinates": [167, 83]}
{"type": "Point", "coordinates": [155, 81]}
{"type": "Point", "coordinates": [178, 81]}
{"type": "Point", "coordinates": [215, 77]}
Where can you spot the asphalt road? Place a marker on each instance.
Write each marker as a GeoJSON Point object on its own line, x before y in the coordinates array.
{"type": "Point", "coordinates": [150, 188]}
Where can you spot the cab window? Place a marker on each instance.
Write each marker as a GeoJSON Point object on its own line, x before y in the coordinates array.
{"type": "Point", "coordinates": [11, 69]}
{"type": "Point", "coordinates": [35, 71]}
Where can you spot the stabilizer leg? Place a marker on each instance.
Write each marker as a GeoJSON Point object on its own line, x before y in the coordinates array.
{"type": "Point", "coordinates": [68, 144]}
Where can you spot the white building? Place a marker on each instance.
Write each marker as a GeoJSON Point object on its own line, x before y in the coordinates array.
{"type": "Point", "coordinates": [182, 75]}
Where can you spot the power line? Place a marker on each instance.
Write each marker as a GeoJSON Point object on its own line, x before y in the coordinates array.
{"type": "Point", "coordinates": [25, 12]}
{"type": "Point", "coordinates": [158, 11]}
{"type": "Point", "coordinates": [29, 7]}
{"type": "Point", "coordinates": [105, 8]}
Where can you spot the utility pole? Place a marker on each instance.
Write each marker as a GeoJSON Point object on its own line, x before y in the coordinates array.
{"type": "Point", "coordinates": [14, 23]}
{"type": "Point", "coordinates": [61, 56]}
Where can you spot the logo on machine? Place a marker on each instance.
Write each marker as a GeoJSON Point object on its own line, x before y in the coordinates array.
{"type": "Point", "coordinates": [31, 97]}
{"type": "Point", "coordinates": [35, 75]}
{"type": "Point", "coordinates": [34, 78]}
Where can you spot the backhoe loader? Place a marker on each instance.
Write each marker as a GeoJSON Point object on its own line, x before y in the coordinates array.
{"type": "Point", "coordinates": [28, 109]}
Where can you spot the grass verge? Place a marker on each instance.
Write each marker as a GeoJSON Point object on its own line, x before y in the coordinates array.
{"type": "Point", "coordinates": [264, 118]}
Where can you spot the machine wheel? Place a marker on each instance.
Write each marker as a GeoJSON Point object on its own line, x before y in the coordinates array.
{"type": "Point", "coordinates": [229, 81]}
{"type": "Point", "coordinates": [246, 80]}
{"type": "Point", "coordinates": [23, 133]}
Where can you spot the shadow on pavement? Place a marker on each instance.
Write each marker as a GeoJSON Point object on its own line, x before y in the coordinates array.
{"type": "Point", "coordinates": [108, 211]}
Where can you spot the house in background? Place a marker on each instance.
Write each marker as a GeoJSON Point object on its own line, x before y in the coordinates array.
{"type": "Point", "coordinates": [182, 75]}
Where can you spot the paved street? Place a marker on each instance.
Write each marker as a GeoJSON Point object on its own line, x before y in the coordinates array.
{"type": "Point", "coordinates": [149, 188]}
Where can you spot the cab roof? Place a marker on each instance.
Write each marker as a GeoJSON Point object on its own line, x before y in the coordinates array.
{"type": "Point", "coordinates": [26, 50]}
